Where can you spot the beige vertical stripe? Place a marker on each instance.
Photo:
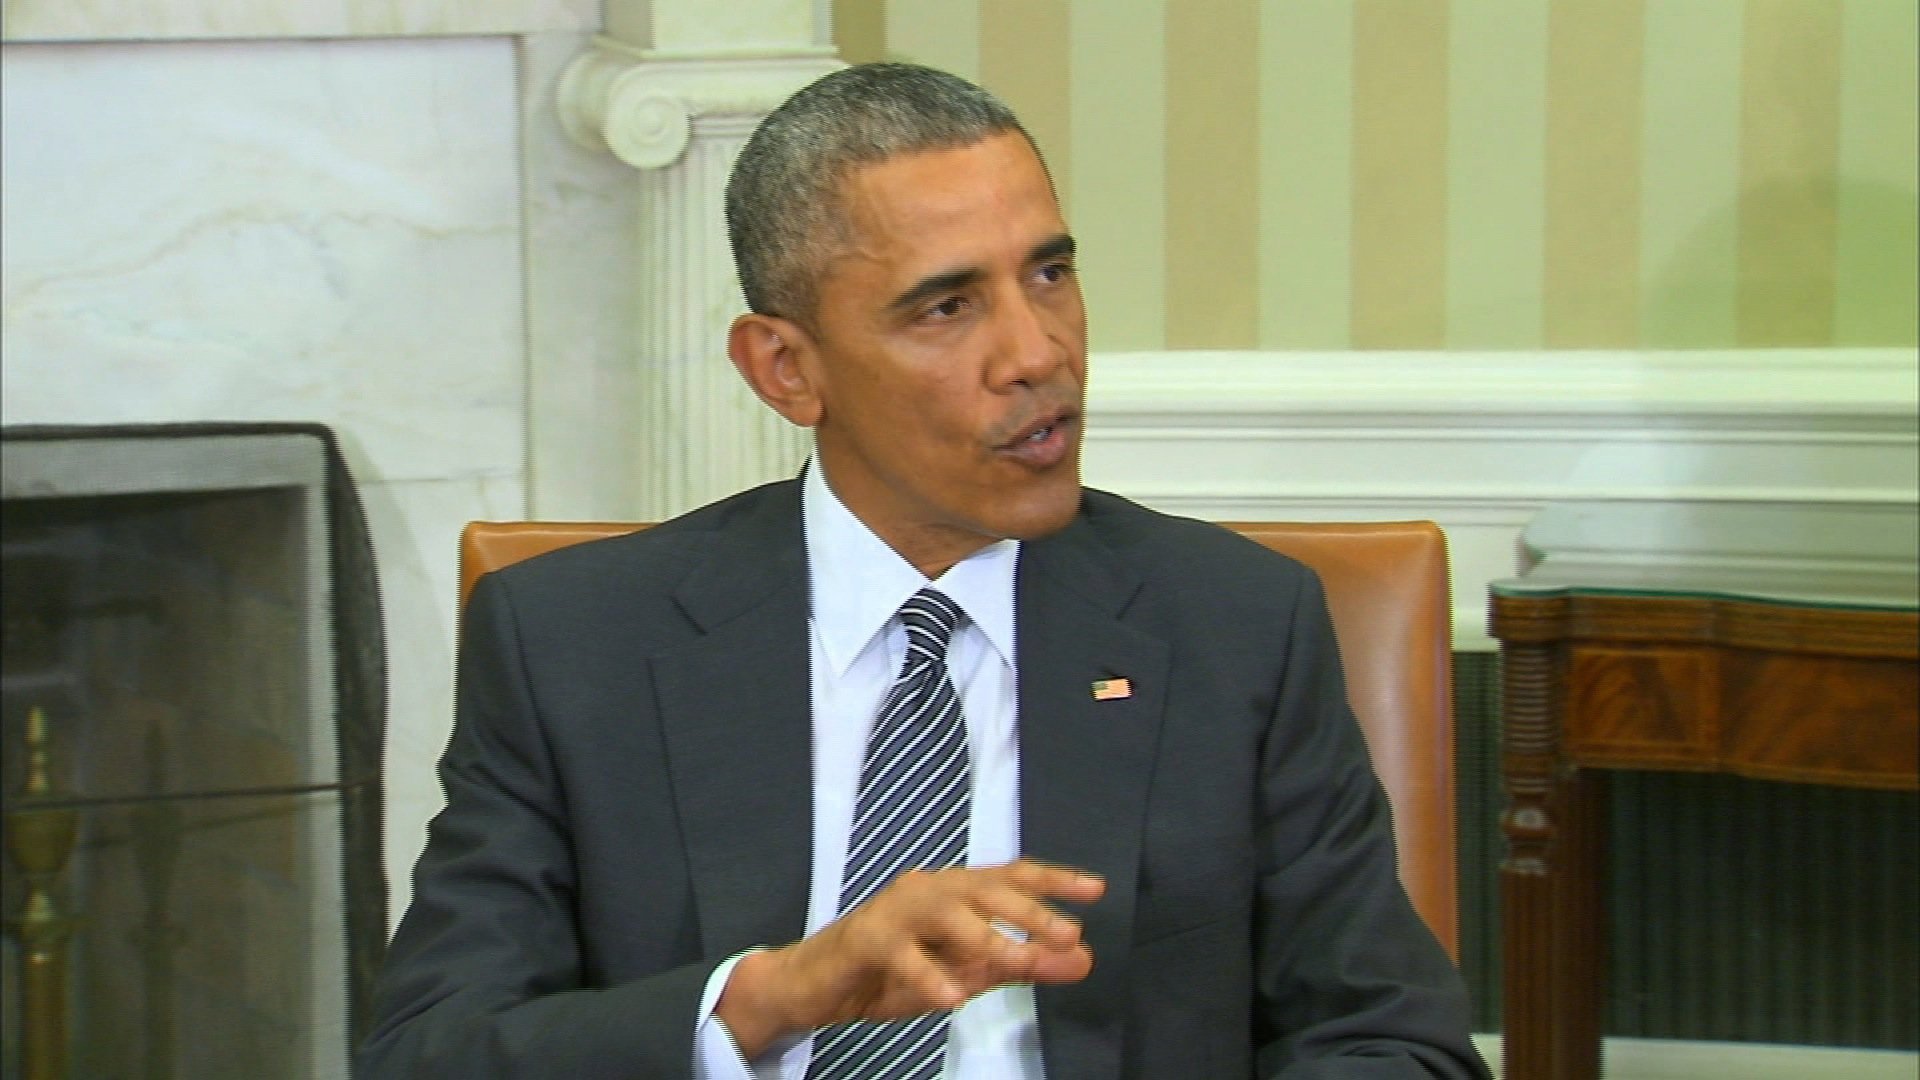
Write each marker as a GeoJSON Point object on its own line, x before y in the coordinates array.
{"type": "Point", "coordinates": [1118, 67]}
{"type": "Point", "coordinates": [1789, 151]}
{"type": "Point", "coordinates": [939, 33]}
{"type": "Point", "coordinates": [1306, 174]}
{"type": "Point", "coordinates": [1690, 175]}
{"type": "Point", "coordinates": [1023, 58]}
{"type": "Point", "coordinates": [1399, 174]}
{"type": "Point", "coordinates": [1212, 172]}
{"type": "Point", "coordinates": [1877, 245]}
{"type": "Point", "coordinates": [860, 30]}
{"type": "Point", "coordinates": [1496, 175]}
{"type": "Point", "coordinates": [1592, 277]}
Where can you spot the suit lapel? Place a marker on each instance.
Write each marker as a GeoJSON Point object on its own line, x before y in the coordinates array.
{"type": "Point", "coordinates": [738, 734]}
{"type": "Point", "coordinates": [1085, 766]}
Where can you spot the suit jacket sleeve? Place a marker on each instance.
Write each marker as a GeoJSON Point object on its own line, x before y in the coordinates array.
{"type": "Point", "coordinates": [1350, 982]}
{"type": "Point", "coordinates": [486, 976]}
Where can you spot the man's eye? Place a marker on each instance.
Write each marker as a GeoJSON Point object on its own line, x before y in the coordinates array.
{"type": "Point", "coordinates": [1055, 271]}
{"type": "Point", "coordinates": [945, 309]}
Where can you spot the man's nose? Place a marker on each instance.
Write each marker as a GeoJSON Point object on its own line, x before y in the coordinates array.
{"type": "Point", "coordinates": [1030, 348]}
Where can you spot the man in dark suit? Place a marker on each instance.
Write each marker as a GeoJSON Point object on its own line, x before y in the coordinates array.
{"type": "Point", "coordinates": [1138, 833]}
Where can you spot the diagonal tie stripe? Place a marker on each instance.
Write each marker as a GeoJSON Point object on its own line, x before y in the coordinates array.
{"type": "Point", "coordinates": [897, 1050]}
{"type": "Point", "coordinates": [911, 812]}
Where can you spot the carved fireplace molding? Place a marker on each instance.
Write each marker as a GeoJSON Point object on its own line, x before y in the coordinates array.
{"type": "Point", "coordinates": [678, 108]}
{"type": "Point", "coordinates": [642, 106]}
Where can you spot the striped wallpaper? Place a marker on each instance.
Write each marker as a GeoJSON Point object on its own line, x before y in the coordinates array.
{"type": "Point", "coordinates": [1461, 174]}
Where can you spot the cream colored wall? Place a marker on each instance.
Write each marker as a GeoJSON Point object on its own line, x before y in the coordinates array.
{"type": "Point", "coordinates": [1461, 174]}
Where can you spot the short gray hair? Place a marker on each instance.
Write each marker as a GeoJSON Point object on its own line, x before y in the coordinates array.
{"type": "Point", "coordinates": [784, 214]}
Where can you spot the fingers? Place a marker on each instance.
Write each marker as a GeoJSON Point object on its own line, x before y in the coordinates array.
{"type": "Point", "coordinates": [935, 939]}
{"type": "Point", "coordinates": [1020, 901]}
{"type": "Point", "coordinates": [1046, 879]}
{"type": "Point", "coordinates": [920, 983]}
{"type": "Point", "coordinates": [929, 940]}
{"type": "Point", "coordinates": [990, 926]}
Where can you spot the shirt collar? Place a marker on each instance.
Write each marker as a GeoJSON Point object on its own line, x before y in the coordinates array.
{"type": "Point", "coordinates": [857, 582]}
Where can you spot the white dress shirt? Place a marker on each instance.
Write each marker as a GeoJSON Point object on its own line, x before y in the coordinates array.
{"type": "Point", "coordinates": [857, 645]}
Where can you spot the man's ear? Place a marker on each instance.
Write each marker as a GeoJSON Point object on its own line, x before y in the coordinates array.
{"type": "Point", "coordinates": [776, 357]}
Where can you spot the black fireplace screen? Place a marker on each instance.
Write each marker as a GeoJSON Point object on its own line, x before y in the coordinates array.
{"type": "Point", "coordinates": [192, 710]}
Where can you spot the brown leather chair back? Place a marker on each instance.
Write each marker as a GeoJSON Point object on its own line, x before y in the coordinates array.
{"type": "Point", "coordinates": [1387, 587]}
{"type": "Point", "coordinates": [486, 546]}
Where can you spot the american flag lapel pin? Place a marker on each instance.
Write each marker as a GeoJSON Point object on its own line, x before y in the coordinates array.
{"type": "Point", "coordinates": [1112, 689]}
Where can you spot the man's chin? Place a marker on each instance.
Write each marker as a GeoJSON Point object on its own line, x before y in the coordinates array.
{"type": "Point", "coordinates": [1049, 515]}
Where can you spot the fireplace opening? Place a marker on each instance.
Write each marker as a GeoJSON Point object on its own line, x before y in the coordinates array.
{"type": "Point", "coordinates": [191, 709]}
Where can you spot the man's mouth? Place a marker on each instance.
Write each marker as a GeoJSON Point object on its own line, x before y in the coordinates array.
{"type": "Point", "coordinates": [1038, 430]}
{"type": "Point", "coordinates": [1043, 444]}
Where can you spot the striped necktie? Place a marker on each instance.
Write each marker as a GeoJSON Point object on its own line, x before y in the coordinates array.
{"type": "Point", "coordinates": [911, 813]}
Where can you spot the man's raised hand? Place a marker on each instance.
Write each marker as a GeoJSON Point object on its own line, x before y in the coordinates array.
{"type": "Point", "coordinates": [929, 940]}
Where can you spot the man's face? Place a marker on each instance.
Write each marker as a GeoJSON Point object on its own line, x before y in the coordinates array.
{"type": "Point", "coordinates": [952, 353]}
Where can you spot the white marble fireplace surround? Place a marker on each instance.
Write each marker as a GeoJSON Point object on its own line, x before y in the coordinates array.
{"type": "Point", "coordinates": [392, 235]}
{"type": "Point", "coordinates": [332, 231]}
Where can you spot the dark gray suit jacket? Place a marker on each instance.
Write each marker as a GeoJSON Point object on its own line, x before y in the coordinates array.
{"type": "Point", "coordinates": [629, 803]}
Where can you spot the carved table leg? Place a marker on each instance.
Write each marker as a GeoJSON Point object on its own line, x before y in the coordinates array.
{"type": "Point", "coordinates": [1554, 928]}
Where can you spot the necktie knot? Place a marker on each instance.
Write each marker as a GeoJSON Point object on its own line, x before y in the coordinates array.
{"type": "Point", "coordinates": [930, 618]}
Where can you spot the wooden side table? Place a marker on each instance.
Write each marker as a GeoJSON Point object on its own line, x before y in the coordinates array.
{"type": "Point", "coordinates": [1769, 666]}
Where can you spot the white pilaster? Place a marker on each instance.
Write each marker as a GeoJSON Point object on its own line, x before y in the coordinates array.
{"type": "Point", "coordinates": [678, 112]}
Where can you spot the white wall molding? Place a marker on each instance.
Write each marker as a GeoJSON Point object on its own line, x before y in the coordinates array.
{"type": "Point", "coordinates": [67, 21]}
{"type": "Point", "coordinates": [1480, 441]}
{"type": "Point", "coordinates": [1795, 381]}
